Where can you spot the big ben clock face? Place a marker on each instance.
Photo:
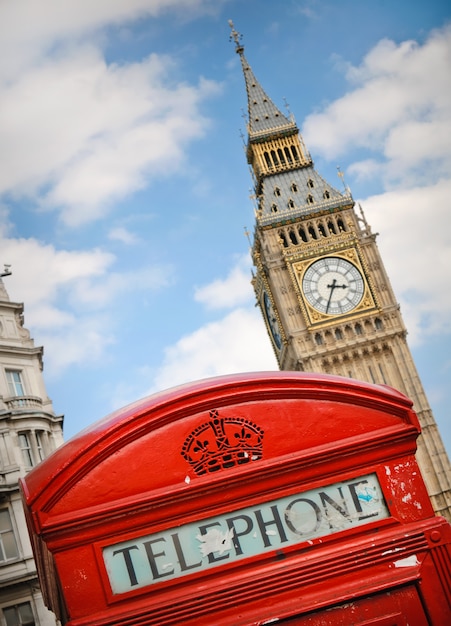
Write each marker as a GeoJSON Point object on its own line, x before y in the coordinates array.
{"type": "Point", "coordinates": [333, 286]}
{"type": "Point", "coordinates": [272, 320]}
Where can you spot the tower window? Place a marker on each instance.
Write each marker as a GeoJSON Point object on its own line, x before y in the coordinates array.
{"type": "Point", "coordinates": [290, 204]}
{"type": "Point", "coordinates": [322, 230]}
{"type": "Point", "coordinates": [294, 153]}
{"type": "Point", "coordinates": [338, 334]}
{"type": "Point", "coordinates": [8, 545]}
{"type": "Point", "coordinates": [276, 191]}
{"type": "Point", "coordinates": [319, 340]}
{"type": "Point", "coordinates": [312, 232]}
{"type": "Point", "coordinates": [341, 225]}
{"type": "Point", "coordinates": [378, 324]}
{"type": "Point", "coordinates": [358, 329]}
{"type": "Point", "coordinates": [288, 155]}
{"type": "Point", "coordinates": [331, 227]}
{"type": "Point", "coordinates": [293, 238]}
{"type": "Point", "coordinates": [283, 239]}
{"type": "Point", "coordinates": [302, 234]}
{"type": "Point", "coordinates": [310, 199]}
{"type": "Point", "coordinates": [294, 187]}
{"type": "Point", "coordinates": [281, 156]}
{"type": "Point", "coordinates": [267, 159]}
{"type": "Point", "coordinates": [310, 183]}
{"type": "Point", "coordinates": [326, 195]}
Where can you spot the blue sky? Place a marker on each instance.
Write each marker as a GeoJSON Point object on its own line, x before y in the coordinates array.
{"type": "Point", "coordinates": [124, 189]}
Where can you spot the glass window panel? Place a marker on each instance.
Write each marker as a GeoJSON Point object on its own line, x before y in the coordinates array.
{"type": "Point", "coordinates": [15, 384]}
{"type": "Point", "coordinates": [25, 446]}
{"type": "Point", "coordinates": [20, 615]}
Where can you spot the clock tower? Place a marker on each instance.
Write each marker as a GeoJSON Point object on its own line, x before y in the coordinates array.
{"type": "Point", "coordinates": [320, 281]}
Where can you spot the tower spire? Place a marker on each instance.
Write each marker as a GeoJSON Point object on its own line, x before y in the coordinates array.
{"type": "Point", "coordinates": [264, 117]}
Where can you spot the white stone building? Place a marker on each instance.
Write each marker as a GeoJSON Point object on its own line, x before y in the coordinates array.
{"type": "Point", "coordinates": [29, 431]}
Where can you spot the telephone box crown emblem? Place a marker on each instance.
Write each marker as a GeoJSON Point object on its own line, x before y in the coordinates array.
{"type": "Point", "coordinates": [223, 442]}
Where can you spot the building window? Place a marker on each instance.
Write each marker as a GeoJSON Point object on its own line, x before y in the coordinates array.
{"type": "Point", "coordinates": [378, 324]}
{"type": "Point", "coordinates": [358, 329]}
{"type": "Point", "coordinates": [276, 191]}
{"type": "Point", "coordinates": [274, 208]}
{"type": "Point", "coordinates": [15, 383]}
{"type": "Point", "coordinates": [19, 615]}
{"type": "Point", "coordinates": [40, 445]}
{"type": "Point", "coordinates": [326, 195]}
{"type": "Point", "coordinates": [294, 187]}
{"type": "Point", "coordinates": [338, 334]}
{"type": "Point", "coordinates": [25, 446]}
{"type": "Point", "coordinates": [290, 204]}
{"type": "Point", "coordinates": [319, 340]}
{"type": "Point", "coordinates": [310, 199]}
{"type": "Point", "coordinates": [310, 183]}
{"type": "Point", "coordinates": [8, 546]}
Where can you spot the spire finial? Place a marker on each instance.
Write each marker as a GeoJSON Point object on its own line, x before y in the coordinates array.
{"type": "Point", "coordinates": [6, 271]}
{"type": "Point", "coordinates": [236, 36]}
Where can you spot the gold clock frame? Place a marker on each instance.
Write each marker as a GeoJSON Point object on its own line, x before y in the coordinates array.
{"type": "Point", "coordinates": [314, 317]}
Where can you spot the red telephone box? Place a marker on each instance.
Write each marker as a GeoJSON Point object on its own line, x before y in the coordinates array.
{"type": "Point", "coordinates": [247, 499]}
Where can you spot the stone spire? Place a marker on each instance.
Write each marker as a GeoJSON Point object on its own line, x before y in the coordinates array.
{"type": "Point", "coordinates": [264, 117]}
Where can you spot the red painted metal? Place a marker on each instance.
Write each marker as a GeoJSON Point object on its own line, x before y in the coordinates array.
{"type": "Point", "coordinates": [213, 449]}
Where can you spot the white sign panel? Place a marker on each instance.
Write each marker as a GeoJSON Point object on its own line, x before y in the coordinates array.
{"type": "Point", "coordinates": [243, 533]}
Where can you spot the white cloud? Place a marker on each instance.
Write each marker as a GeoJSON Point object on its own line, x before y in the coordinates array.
{"type": "Point", "coordinates": [399, 106]}
{"type": "Point", "coordinates": [29, 29]}
{"type": "Point", "coordinates": [123, 235]}
{"type": "Point", "coordinates": [236, 343]}
{"type": "Point", "coordinates": [69, 295]}
{"type": "Point", "coordinates": [415, 243]}
{"type": "Point", "coordinates": [231, 292]}
{"type": "Point", "coordinates": [81, 133]}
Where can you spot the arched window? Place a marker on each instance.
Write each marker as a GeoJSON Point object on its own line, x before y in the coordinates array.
{"type": "Point", "coordinates": [310, 183]}
{"type": "Point", "coordinates": [338, 334]}
{"type": "Point", "coordinates": [341, 225]}
{"type": "Point", "coordinates": [276, 191]}
{"type": "Point", "coordinates": [293, 238]}
{"type": "Point", "coordinates": [274, 208]}
{"type": "Point", "coordinates": [283, 239]}
{"type": "Point", "coordinates": [378, 324]}
{"type": "Point", "coordinates": [310, 199]}
{"type": "Point", "coordinates": [290, 204]}
{"type": "Point", "coordinates": [274, 157]}
{"type": "Point", "coordinates": [322, 230]}
{"type": "Point", "coordinates": [294, 187]}
{"type": "Point", "coordinates": [267, 159]}
{"type": "Point", "coordinates": [294, 152]}
{"type": "Point", "coordinates": [312, 232]}
{"type": "Point", "coordinates": [288, 155]}
{"type": "Point", "coordinates": [302, 234]}
{"type": "Point", "coordinates": [281, 156]}
{"type": "Point", "coordinates": [331, 227]}
{"type": "Point", "coordinates": [319, 340]}
{"type": "Point", "coordinates": [358, 329]}
{"type": "Point", "coordinates": [326, 195]}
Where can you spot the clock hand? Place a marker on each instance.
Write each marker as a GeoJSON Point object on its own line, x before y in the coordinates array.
{"type": "Point", "coordinates": [332, 287]}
